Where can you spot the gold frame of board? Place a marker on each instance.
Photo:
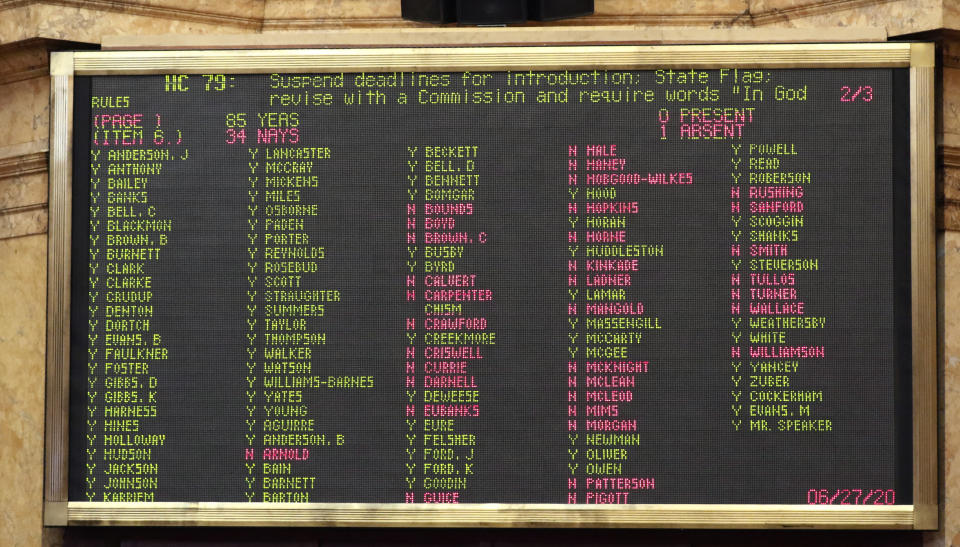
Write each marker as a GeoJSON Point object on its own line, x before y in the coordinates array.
{"type": "Point", "coordinates": [919, 57]}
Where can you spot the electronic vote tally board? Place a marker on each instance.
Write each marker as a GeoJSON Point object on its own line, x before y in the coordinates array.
{"type": "Point", "coordinates": [501, 286]}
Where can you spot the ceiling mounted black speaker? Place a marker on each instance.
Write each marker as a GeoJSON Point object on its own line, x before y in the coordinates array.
{"type": "Point", "coordinates": [549, 10]}
{"type": "Point", "coordinates": [429, 11]}
{"type": "Point", "coordinates": [491, 12]}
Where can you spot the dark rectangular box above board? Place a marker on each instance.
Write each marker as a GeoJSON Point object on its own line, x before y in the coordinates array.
{"type": "Point", "coordinates": [492, 12]}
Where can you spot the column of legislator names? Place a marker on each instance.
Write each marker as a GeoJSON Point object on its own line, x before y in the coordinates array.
{"type": "Point", "coordinates": [609, 325]}
{"type": "Point", "coordinates": [783, 328]}
{"type": "Point", "coordinates": [453, 336]}
{"type": "Point", "coordinates": [129, 234]}
{"type": "Point", "coordinates": [288, 374]}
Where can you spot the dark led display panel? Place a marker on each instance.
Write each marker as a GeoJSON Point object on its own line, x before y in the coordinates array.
{"type": "Point", "coordinates": [562, 287]}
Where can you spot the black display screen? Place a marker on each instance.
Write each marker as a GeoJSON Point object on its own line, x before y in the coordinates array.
{"type": "Point", "coordinates": [569, 287]}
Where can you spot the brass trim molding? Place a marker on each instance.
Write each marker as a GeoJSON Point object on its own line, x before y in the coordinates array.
{"type": "Point", "coordinates": [493, 58]}
{"type": "Point", "coordinates": [55, 513]}
{"type": "Point", "coordinates": [507, 36]}
{"type": "Point", "coordinates": [58, 279]}
{"type": "Point", "coordinates": [489, 515]}
{"type": "Point", "coordinates": [923, 289]}
{"type": "Point", "coordinates": [919, 57]}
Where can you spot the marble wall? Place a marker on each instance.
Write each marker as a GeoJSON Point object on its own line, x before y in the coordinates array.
{"type": "Point", "coordinates": [949, 135]}
{"type": "Point", "coordinates": [90, 20]}
{"type": "Point", "coordinates": [948, 258]}
{"type": "Point", "coordinates": [24, 87]}
{"type": "Point", "coordinates": [22, 346]}
{"type": "Point", "coordinates": [29, 29]}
